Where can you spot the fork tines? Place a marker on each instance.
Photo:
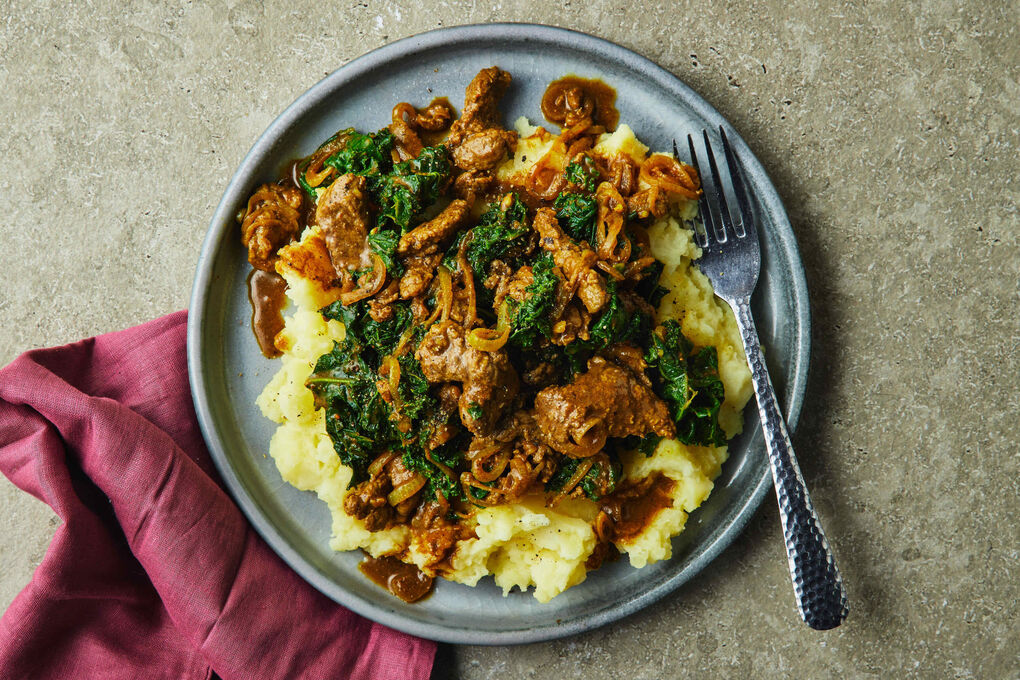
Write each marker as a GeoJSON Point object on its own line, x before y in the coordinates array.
{"type": "Point", "coordinates": [717, 221]}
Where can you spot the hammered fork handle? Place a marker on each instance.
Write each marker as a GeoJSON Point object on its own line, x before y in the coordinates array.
{"type": "Point", "coordinates": [821, 597]}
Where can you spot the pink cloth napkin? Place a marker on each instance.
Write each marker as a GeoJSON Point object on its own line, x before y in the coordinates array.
{"type": "Point", "coordinates": [154, 572]}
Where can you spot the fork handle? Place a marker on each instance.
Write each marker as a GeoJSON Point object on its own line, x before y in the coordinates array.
{"type": "Point", "coordinates": [821, 597]}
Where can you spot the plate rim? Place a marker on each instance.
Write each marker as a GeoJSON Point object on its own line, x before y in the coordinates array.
{"type": "Point", "coordinates": [423, 42]}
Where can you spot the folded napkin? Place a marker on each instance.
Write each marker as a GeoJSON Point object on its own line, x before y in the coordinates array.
{"type": "Point", "coordinates": [155, 573]}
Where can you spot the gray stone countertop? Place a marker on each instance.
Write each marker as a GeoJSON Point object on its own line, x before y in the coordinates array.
{"type": "Point", "coordinates": [891, 131]}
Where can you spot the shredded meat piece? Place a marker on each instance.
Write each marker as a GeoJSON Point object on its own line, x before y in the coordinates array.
{"type": "Point", "coordinates": [480, 100]}
{"type": "Point", "coordinates": [469, 185]}
{"type": "Point", "coordinates": [434, 117]}
{"type": "Point", "coordinates": [540, 375]}
{"type": "Point", "coordinates": [420, 270]}
{"type": "Point", "coordinates": [482, 151]}
{"type": "Point", "coordinates": [630, 357]}
{"type": "Point", "coordinates": [498, 279]}
{"type": "Point", "coordinates": [649, 203]}
{"type": "Point", "coordinates": [271, 221]}
{"type": "Point", "coordinates": [606, 401]}
{"type": "Point", "coordinates": [574, 260]}
{"type": "Point", "coordinates": [489, 380]}
{"type": "Point", "coordinates": [342, 216]}
{"type": "Point", "coordinates": [449, 395]}
{"type": "Point", "coordinates": [426, 238]}
{"type": "Point", "coordinates": [367, 501]}
{"type": "Point", "coordinates": [525, 462]}
{"type": "Point", "coordinates": [380, 308]}
{"type": "Point", "coordinates": [572, 325]}
{"type": "Point", "coordinates": [513, 286]}
{"type": "Point", "coordinates": [434, 534]}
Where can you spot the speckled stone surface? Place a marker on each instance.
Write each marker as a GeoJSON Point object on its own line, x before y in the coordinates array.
{"type": "Point", "coordinates": [891, 131]}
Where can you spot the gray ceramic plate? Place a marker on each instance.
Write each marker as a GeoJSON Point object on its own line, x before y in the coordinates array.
{"type": "Point", "coordinates": [227, 372]}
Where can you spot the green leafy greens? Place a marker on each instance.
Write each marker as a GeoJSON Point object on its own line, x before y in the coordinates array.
{"type": "Point", "coordinates": [589, 484]}
{"type": "Point", "coordinates": [582, 173]}
{"type": "Point", "coordinates": [413, 185]}
{"type": "Point", "coordinates": [498, 233]}
{"type": "Point", "coordinates": [358, 420]}
{"type": "Point", "coordinates": [689, 382]}
{"type": "Point", "coordinates": [529, 319]}
{"type": "Point", "coordinates": [363, 154]}
{"type": "Point", "coordinates": [576, 214]}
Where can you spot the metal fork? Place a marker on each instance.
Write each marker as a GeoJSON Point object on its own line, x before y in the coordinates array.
{"type": "Point", "coordinates": [731, 259]}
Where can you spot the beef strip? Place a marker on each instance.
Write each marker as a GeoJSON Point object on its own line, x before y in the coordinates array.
{"type": "Point", "coordinates": [489, 380]}
{"type": "Point", "coordinates": [434, 117]}
{"type": "Point", "coordinates": [380, 307]}
{"type": "Point", "coordinates": [418, 274]}
{"type": "Point", "coordinates": [427, 237]}
{"type": "Point", "coordinates": [434, 534]}
{"type": "Point", "coordinates": [482, 151]}
{"type": "Point", "coordinates": [469, 185]}
{"type": "Point", "coordinates": [480, 101]}
{"type": "Point", "coordinates": [606, 401]}
{"type": "Point", "coordinates": [271, 221]}
{"type": "Point", "coordinates": [342, 216]}
{"type": "Point", "coordinates": [367, 501]}
{"type": "Point", "coordinates": [573, 259]}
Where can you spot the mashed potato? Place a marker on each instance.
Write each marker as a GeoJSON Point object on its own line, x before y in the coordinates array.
{"type": "Point", "coordinates": [526, 544]}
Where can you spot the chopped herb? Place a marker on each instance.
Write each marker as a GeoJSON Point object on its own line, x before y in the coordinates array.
{"type": "Point", "coordinates": [475, 410]}
{"type": "Point", "coordinates": [583, 174]}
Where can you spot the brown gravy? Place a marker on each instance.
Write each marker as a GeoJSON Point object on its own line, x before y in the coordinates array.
{"type": "Point", "coordinates": [595, 95]}
{"type": "Point", "coordinates": [406, 581]}
{"type": "Point", "coordinates": [266, 295]}
{"type": "Point", "coordinates": [633, 508]}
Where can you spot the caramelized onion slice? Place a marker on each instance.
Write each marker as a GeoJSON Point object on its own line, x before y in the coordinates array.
{"type": "Point", "coordinates": [406, 490]}
{"type": "Point", "coordinates": [393, 366]}
{"type": "Point", "coordinates": [446, 291]}
{"type": "Point", "coordinates": [671, 175]}
{"type": "Point", "coordinates": [491, 340]}
{"type": "Point", "coordinates": [381, 461]}
{"type": "Point", "coordinates": [367, 289]}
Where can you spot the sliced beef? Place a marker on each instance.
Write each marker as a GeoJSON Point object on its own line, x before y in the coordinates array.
{"type": "Point", "coordinates": [435, 117]}
{"type": "Point", "coordinates": [470, 185]}
{"type": "Point", "coordinates": [427, 237]}
{"type": "Point", "coordinates": [489, 381]}
{"type": "Point", "coordinates": [481, 152]}
{"type": "Point", "coordinates": [342, 216]}
{"type": "Point", "coordinates": [380, 307]}
{"type": "Point", "coordinates": [367, 501]}
{"type": "Point", "coordinates": [418, 274]}
{"type": "Point", "coordinates": [480, 102]}
{"type": "Point", "coordinates": [606, 401]}
{"type": "Point", "coordinates": [271, 221]}
{"type": "Point", "coordinates": [574, 260]}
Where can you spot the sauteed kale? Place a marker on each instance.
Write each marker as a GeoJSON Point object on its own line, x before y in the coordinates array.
{"type": "Point", "coordinates": [500, 336]}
